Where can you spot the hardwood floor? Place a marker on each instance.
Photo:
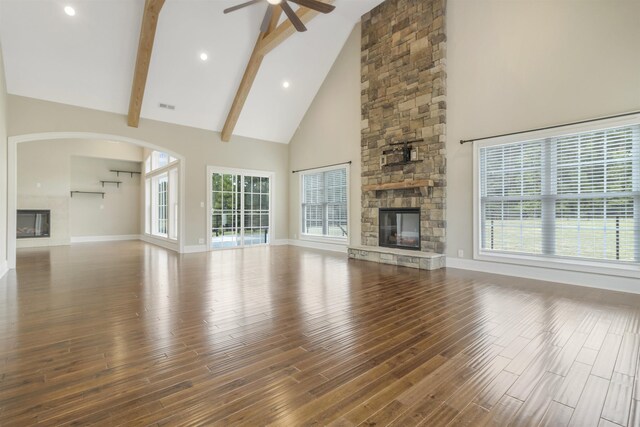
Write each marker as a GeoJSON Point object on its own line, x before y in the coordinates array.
{"type": "Point", "coordinates": [127, 333]}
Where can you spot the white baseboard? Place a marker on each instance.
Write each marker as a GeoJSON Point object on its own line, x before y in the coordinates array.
{"type": "Point", "coordinates": [342, 248]}
{"type": "Point", "coordinates": [89, 239]}
{"type": "Point", "coordinates": [590, 280]}
{"type": "Point", "coordinates": [281, 242]}
{"type": "Point", "coordinates": [41, 242]}
{"type": "Point", "coordinates": [173, 246]}
{"type": "Point", "coordinates": [4, 268]}
{"type": "Point", "coordinates": [193, 249]}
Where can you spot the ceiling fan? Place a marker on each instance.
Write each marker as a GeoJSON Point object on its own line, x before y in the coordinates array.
{"type": "Point", "coordinates": [297, 23]}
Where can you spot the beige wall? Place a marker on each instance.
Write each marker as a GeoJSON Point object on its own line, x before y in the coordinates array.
{"type": "Point", "coordinates": [48, 170]}
{"type": "Point", "coordinates": [3, 167]}
{"type": "Point", "coordinates": [516, 65]}
{"type": "Point", "coordinates": [330, 133]}
{"type": "Point", "coordinates": [118, 214]}
{"type": "Point", "coordinates": [199, 147]}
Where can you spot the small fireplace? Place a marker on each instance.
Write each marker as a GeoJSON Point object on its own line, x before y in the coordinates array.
{"type": "Point", "coordinates": [399, 228]}
{"type": "Point", "coordinates": [33, 223]}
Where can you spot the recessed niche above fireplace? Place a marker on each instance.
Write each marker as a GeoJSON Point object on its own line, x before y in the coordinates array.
{"type": "Point", "coordinates": [33, 223]}
{"type": "Point", "coordinates": [399, 228]}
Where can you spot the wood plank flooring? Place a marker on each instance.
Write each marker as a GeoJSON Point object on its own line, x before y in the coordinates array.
{"type": "Point", "coordinates": [126, 333]}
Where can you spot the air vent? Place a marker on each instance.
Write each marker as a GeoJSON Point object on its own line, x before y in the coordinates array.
{"type": "Point", "coordinates": [167, 106]}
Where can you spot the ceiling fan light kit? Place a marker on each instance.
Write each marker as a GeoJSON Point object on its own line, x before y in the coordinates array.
{"type": "Point", "coordinates": [316, 5]}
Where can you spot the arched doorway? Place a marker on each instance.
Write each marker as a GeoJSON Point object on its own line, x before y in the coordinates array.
{"type": "Point", "coordinates": [12, 152]}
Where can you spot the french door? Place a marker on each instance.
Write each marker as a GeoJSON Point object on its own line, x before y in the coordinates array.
{"type": "Point", "coordinates": [239, 208]}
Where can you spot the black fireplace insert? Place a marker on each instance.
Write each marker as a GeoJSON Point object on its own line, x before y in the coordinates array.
{"type": "Point", "coordinates": [33, 223]}
{"type": "Point", "coordinates": [399, 228]}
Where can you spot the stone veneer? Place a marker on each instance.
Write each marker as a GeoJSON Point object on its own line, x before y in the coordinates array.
{"type": "Point", "coordinates": [403, 98]}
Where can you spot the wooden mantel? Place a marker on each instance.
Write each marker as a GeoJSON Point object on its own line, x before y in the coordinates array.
{"type": "Point", "coordinates": [398, 185]}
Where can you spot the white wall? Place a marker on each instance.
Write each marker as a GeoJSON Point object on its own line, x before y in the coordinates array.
{"type": "Point", "coordinates": [118, 214]}
{"type": "Point", "coordinates": [517, 65]}
{"type": "Point", "coordinates": [330, 133]}
{"type": "Point", "coordinates": [3, 168]}
{"type": "Point", "coordinates": [199, 147]}
{"type": "Point", "coordinates": [45, 174]}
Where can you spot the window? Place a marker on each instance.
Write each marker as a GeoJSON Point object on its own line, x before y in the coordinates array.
{"type": "Point", "coordinates": [158, 160]}
{"type": "Point", "coordinates": [324, 203]}
{"type": "Point", "coordinates": [161, 196]}
{"type": "Point", "coordinates": [574, 196]}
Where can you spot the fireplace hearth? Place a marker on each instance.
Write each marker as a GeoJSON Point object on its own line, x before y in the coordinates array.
{"type": "Point", "coordinates": [399, 228]}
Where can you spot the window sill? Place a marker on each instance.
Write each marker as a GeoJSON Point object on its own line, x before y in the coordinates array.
{"type": "Point", "coordinates": [581, 266]}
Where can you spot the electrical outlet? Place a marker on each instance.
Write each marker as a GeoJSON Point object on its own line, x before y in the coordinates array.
{"type": "Point", "coordinates": [101, 206]}
{"type": "Point", "coordinates": [295, 235]}
{"type": "Point", "coordinates": [202, 204]}
{"type": "Point", "coordinates": [38, 185]}
{"type": "Point", "coordinates": [460, 253]}
{"type": "Point", "coordinates": [201, 241]}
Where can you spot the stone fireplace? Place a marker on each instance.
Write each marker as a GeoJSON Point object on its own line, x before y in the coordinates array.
{"type": "Point", "coordinates": [403, 96]}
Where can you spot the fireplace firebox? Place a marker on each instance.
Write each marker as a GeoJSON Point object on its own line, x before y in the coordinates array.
{"type": "Point", "coordinates": [33, 223]}
{"type": "Point", "coordinates": [399, 228]}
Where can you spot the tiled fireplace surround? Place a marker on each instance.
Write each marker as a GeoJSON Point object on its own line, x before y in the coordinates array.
{"type": "Point", "coordinates": [403, 98]}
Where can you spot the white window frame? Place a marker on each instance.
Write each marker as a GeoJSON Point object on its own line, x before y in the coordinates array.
{"type": "Point", "coordinates": [586, 266]}
{"type": "Point", "coordinates": [151, 195]}
{"type": "Point", "coordinates": [263, 174]}
{"type": "Point", "coordinates": [315, 237]}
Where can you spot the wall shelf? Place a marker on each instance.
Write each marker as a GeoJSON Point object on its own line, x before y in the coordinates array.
{"type": "Point", "coordinates": [88, 192]}
{"type": "Point", "coordinates": [111, 182]}
{"type": "Point", "coordinates": [399, 185]}
{"type": "Point", "coordinates": [118, 172]}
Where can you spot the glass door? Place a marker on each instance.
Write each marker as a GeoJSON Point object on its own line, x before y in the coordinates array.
{"type": "Point", "coordinates": [226, 211]}
{"type": "Point", "coordinates": [256, 210]}
{"type": "Point", "coordinates": [240, 210]}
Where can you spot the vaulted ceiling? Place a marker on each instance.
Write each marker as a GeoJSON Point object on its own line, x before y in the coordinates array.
{"type": "Point", "coordinates": [89, 59]}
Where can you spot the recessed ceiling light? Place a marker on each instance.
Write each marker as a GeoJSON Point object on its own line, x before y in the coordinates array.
{"type": "Point", "coordinates": [204, 56]}
{"type": "Point", "coordinates": [69, 11]}
{"type": "Point", "coordinates": [286, 84]}
{"type": "Point", "coordinates": [275, 1]}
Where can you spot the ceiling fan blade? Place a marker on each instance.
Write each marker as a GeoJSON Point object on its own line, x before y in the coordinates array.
{"type": "Point", "coordinates": [315, 5]}
{"type": "Point", "coordinates": [292, 16]}
{"type": "Point", "coordinates": [240, 6]}
{"type": "Point", "coordinates": [267, 19]}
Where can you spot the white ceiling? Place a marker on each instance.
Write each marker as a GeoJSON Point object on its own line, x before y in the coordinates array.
{"type": "Point", "coordinates": [88, 60]}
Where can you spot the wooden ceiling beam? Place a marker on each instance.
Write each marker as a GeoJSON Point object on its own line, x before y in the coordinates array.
{"type": "Point", "coordinates": [248, 78]}
{"type": "Point", "coordinates": [145, 47]}
{"type": "Point", "coordinates": [266, 42]}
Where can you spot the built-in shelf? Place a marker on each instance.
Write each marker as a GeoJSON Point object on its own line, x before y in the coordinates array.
{"type": "Point", "coordinates": [88, 192]}
{"type": "Point", "coordinates": [111, 182]}
{"type": "Point", "coordinates": [421, 183]}
{"type": "Point", "coordinates": [118, 172]}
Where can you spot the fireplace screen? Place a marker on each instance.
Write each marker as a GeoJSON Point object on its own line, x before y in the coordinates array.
{"type": "Point", "coordinates": [32, 223]}
{"type": "Point", "coordinates": [399, 228]}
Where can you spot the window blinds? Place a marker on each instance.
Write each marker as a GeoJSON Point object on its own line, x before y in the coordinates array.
{"type": "Point", "coordinates": [324, 203]}
{"type": "Point", "coordinates": [575, 196]}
